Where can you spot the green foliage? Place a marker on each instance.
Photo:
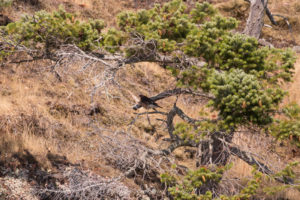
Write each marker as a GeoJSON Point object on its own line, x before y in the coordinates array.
{"type": "Point", "coordinates": [223, 50]}
{"type": "Point", "coordinates": [287, 173]}
{"type": "Point", "coordinates": [195, 133]}
{"type": "Point", "coordinates": [112, 40]}
{"type": "Point", "coordinates": [239, 51]}
{"type": "Point", "coordinates": [168, 179]}
{"type": "Point", "coordinates": [168, 25]}
{"type": "Point", "coordinates": [239, 95]}
{"type": "Point", "coordinates": [250, 190]}
{"type": "Point", "coordinates": [241, 99]}
{"type": "Point", "coordinates": [186, 189]}
{"type": "Point", "coordinates": [193, 76]}
{"type": "Point", "coordinates": [252, 186]}
{"type": "Point", "coordinates": [286, 129]}
{"type": "Point", "coordinates": [49, 30]}
{"type": "Point", "coordinates": [185, 131]}
{"type": "Point", "coordinates": [289, 127]}
{"type": "Point", "coordinates": [206, 41]}
{"type": "Point", "coordinates": [243, 76]}
{"type": "Point", "coordinates": [5, 3]}
{"type": "Point", "coordinates": [201, 12]}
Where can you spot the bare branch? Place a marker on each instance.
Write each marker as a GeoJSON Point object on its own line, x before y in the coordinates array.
{"type": "Point", "coordinates": [248, 158]}
{"type": "Point", "coordinates": [269, 14]}
{"type": "Point", "coordinates": [86, 185]}
{"type": "Point", "coordinates": [175, 92]}
{"type": "Point", "coordinates": [131, 156]}
{"type": "Point", "coordinates": [180, 143]}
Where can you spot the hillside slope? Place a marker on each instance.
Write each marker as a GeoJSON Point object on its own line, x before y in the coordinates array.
{"type": "Point", "coordinates": [53, 130]}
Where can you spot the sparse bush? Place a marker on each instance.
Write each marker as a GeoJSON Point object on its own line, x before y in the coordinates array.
{"type": "Point", "coordinates": [47, 31]}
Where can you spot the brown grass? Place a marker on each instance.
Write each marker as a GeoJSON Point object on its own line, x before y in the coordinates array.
{"type": "Point", "coordinates": [38, 113]}
{"type": "Point", "coordinates": [293, 88]}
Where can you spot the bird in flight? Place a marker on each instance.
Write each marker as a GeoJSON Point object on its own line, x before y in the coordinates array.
{"type": "Point", "coordinates": [146, 103]}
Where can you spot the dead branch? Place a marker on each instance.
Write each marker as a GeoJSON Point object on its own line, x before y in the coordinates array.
{"type": "Point", "coordinates": [248, 158]}
{"type": "Point", "coordinates": [269, 14]}
{"type": "Point", "coordinates": [146, 51]}
{"type": "Point", "coordinates": [261, 166]}
{"type": "Point", "coordinates": [131, 156]}
{"type": "Point", "coordinates": [174, 92]}
{"type": "Point", "coordinates": [177, 142]}
{"type": "Point", "coordinates": [286, 21]}
{"type": "Point", "coordinates": [80, 184]}
{"type": "Point", "coordinates": [170, 125]}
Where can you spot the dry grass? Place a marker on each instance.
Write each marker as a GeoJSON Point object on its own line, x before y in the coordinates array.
{"type": "Point", "coordinates": [293, 88]}
{"type": "Point", "coordinates": [38, 113]}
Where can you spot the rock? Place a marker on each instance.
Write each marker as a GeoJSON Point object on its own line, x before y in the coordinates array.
{"type": "Point", "coordinates": [296, 49]}
{"type": "Point", "coordinates": [145, 197]}
{"type": "Point", "coordinates": [153, 192]}
{"type": "Point", "coordinates": [263, 42]}
{"type": "Point", "coordinates": [4, 20]}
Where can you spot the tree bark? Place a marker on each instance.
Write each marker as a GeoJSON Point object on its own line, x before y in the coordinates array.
{"type": "Point", "coordinates": [214, 151]}
{"type": "Point", "coordinates": [255, 20]}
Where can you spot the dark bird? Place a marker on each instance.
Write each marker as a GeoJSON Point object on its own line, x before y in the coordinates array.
{"type": "Point", "coordinates": [146, 103]}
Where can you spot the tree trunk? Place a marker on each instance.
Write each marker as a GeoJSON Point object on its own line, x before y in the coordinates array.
{"type": "Point", "coordinates": [255, 20]}
{"type": "Point", "coordinates": [214, 151]}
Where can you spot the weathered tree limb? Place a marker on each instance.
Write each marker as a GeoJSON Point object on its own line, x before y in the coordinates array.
{"type": "Point", "coordinates": [183, 116]}
{"type": "Point", "coordinates": [170, 124]}
{"type": "Point", "coordinates": [286, 21]}
{"type": "Point", "coordinates": [178, 91]}
{"type": "Point", "coordinates": [174, 92]}
{"type": "Point", "coordinates": [269, 14]}
{"type": "Point", "coordinates": [177, 142]}
{"type": "Point", "coordinates": [255, 20]}
{"type": "Point", "coordinates": [249, 159]}
{"type": "Point", "coordinates": [261, 166]}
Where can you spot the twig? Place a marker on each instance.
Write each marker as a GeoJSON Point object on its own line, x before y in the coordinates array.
{"type": "Point", "coordinates": [246, 156]}
{"type": "Point", "coordinates": [176, 91]}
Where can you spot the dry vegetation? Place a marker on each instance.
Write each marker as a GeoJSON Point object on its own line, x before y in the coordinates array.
{"type": "Point", "coordinates": [47, 124]}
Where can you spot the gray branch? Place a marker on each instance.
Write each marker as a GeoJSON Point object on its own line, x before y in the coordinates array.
{"type": "Point", "coordinates": [175, 92]}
